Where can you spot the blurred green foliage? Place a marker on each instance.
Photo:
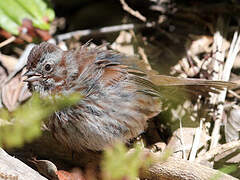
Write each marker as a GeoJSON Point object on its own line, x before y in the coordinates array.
{"type": "Point", "coordinates": [26, 120]}
{"type": "Point", "coordinates": [118, 165]}
{"type": "Point", "coordinates": [12, 13]}
{"type": "Point", "coordinates": [227, 170]}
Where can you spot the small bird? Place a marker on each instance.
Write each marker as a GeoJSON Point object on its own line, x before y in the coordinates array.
{"type": "Point", "coordinates": [119, 93]}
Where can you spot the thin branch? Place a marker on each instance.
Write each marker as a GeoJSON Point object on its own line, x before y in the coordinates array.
{"type": "Point", "coordinates": [7, 41]}
{"type": "Point", "coordinates": [234, 94]}
{"type": "Point", "coordinates": [144, 57]}
{"type": "Point", "coordinates": [137, 14]}
{"type": "Point", "coordinates": [217, 150]}
{"type": "Point", "coordinates": [104, 30]}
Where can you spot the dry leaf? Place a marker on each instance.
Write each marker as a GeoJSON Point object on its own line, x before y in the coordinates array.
{"type": "Point", "coordinates": [10, 93]}
{"type": "Point", "coordinates": [8, 62]}
{"type": "Point", "coordinates": [232, 125]}
{"type": "Point", "coordinates": [3, 76]}
{"type": "Point", "coordinates": [14, 92]}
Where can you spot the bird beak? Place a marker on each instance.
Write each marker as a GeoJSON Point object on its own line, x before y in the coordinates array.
{"type": "Point", "coordinates": [32, 76]}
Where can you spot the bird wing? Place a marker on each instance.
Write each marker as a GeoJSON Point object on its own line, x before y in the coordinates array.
{"type": "Point", "coordinates": [172, 85]}
{"type": "Point", "coordinates": [116, 65]}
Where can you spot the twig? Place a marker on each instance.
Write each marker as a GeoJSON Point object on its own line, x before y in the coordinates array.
{"type": "Point", "coordinates": [234, 94]}
{"type": "Point", "coordinates": [7, 41]}
{"type": "Point", "coordinates": [132, 12]}
{"type": "Point", "coordinates": [108, 29]}
{"type": "Point", "coordinates": [144, 57]}
{"type": "Point", "coordinates": [217, 150]}
{"type": "Point", "coordinates": [219, 8]}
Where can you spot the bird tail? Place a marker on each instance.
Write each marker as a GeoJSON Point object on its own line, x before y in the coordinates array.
{"type": "Point", "coordinates": [169, 86]}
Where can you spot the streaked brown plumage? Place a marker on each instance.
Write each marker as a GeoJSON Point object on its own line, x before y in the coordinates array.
{"type": "Point", "coordinates": [120, 94]}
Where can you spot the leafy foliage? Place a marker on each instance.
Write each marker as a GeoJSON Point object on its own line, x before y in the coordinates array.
{"type": "Point", "coordinates": [118, 165]}
{"type": "Point", "coordinates": [12, 13]}
{"type": "Point", "coordinates": [28, 117]}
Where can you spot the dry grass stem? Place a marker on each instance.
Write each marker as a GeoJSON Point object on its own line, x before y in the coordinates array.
{"type": "Point", "coordinates": [234, 49]}
{"type": "Point", "coordinates": [7, 41]}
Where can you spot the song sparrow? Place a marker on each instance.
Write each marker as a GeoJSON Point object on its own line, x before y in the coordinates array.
{"type": "Point", "coordinates": [120, 94]}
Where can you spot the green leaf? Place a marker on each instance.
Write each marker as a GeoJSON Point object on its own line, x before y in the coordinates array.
{"type": "Point", "coordinates": [50, 14]}
{"type": "Point", "coordinates": [16, 12]}
{"type": "Point", "coordinates": [45, 11]}
{"type": "Point", "coordinates": [117, 164]}
{"type": "Point", "coordinates": [12, 13]}
{"type": "Point", "coordinates": [33, 9]}
{"type": "Point", "coordinates": [226, 169]}
{"type": "Point", "coordinates": [7, 24]}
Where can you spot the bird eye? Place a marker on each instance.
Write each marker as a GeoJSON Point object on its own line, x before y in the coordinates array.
{"type": "Point", "coordinates": [48, 67]}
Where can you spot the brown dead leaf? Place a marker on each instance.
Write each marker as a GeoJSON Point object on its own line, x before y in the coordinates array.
{"type": "Point", "coordinates": [10, 93]}
{"type": "Point", "coordinates": [3, 76]}
{"type": "Point", "coordinates": [14, 92]}
{"type": "Point", "coordinates": [8, 62]}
